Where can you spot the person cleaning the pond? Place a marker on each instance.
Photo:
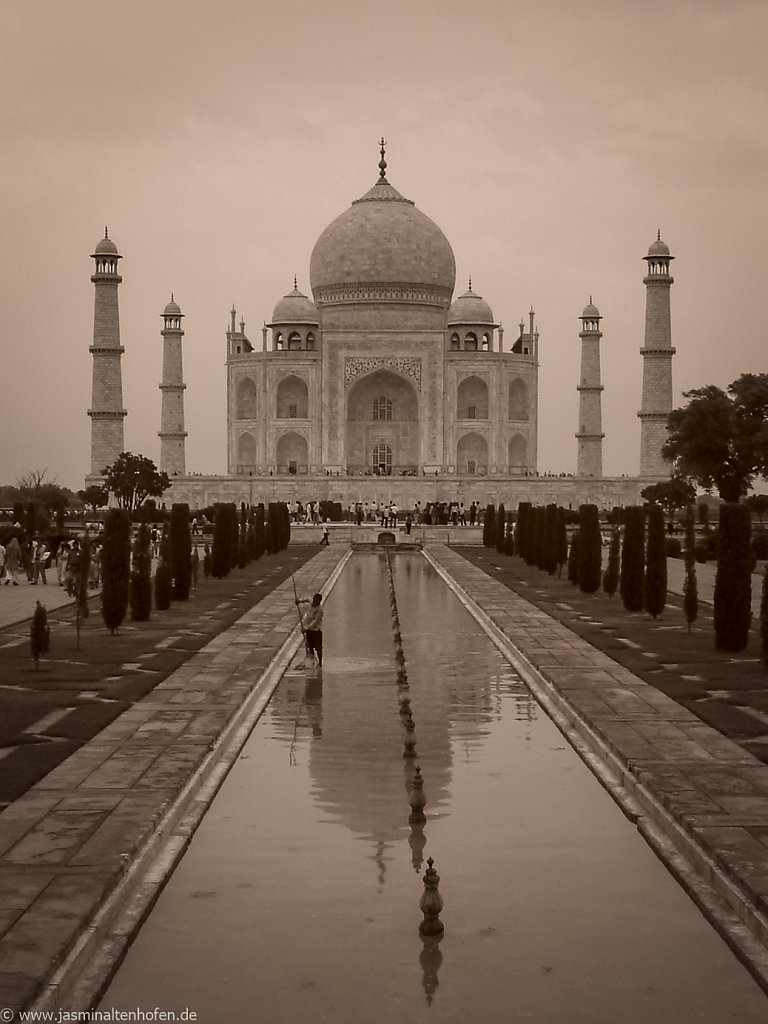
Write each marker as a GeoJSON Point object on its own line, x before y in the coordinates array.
{"type": "Point", "coordinates": [313, 624]}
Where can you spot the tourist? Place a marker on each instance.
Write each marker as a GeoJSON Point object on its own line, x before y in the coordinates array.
{"type": "Point", "coordinates": [62, 555]}
{"type": "Point", "coordinates": [325, 539]}
{"type": "Point", "coordinates": [408, 522]}
{"type": "Point", "coordinates": [73, 566]}
{"type": "Point", "coordinates": [12, 560]}
{"type": "Point", "coordinates": [94, 569]}
{"type": "Point", "coordinates": [41, 558]}
{"type": "Point", "coordinates": [2, 560]}
{"type": "Point", "coordinates": [313, 626]}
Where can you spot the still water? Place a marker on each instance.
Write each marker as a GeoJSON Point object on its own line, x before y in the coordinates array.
{"type": "Point", "coordinates": [298, 899]}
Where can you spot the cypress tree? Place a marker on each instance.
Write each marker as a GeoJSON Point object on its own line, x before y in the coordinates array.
{"type": "Point", "coordinates": [501, 526]}
{"type": "Point", "coordinates": [561, 551]}
{"type": "Point", "coordinates": [489, 527]}
{"type": "Point", "coordinates": [633, 559]}
{"type": "Point", "coordinates": [164, 574]}
{"type": "Point", "coordinates": [40, 634]}
{"type": "Point", "coordinates": [573, 559]}
{"type": "Point", "coordinates": [690, 586]}
{"type": "Point", "coordinates": [611, 575]}
{"type": "Point", "coordinates": [259, 530]}
{"type": "Point", "coordinates": [655, 583]}
{"type": "Point", "coordinates": [521, 538]}
{"type": "Point", "coordinates": [550, 539]}
{"type": "Point", "coordinates": [115, 568]}
{"type": "Point", "coordinates": [82, 608]}
{"type": "Point", "coordinates": [590, 549]}
{"type": "Point", "coordinates": [764, 617]}
{"type": "Point", "coordinates": [733, 580]}
{"type": "Point", "coordinates": [181, 552]}
{"type": "Point", "coordinates": [221, 555]}
{"type": "Point", "coordinates": [140, 596]}
{"type": "Point", "coordinates": [540, 539]}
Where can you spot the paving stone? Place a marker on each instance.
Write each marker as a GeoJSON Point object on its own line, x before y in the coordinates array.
{"type": "Point", "coordinates": [55, 838]}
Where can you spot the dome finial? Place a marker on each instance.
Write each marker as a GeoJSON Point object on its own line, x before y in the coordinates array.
{"type": "Point", "coordinates": [295, 283]}
{"type": "Point", "coordinates": [106, 233]}
{"type": "Point", "coordinates": [658, 235]}
{"type": "Point", "coordinates": [171, 296]}
{"type": "Point", "coordinates": [382, 162]}
{"type": "Point", "coordinates": [470, 283]}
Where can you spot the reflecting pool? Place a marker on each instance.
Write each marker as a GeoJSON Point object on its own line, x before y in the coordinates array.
{"type": "Point", "coordinates": [298, 899]}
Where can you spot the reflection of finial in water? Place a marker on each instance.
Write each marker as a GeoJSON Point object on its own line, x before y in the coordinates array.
{"type": "Point", "coordinates": [382, 863]}
{"type": "Point", "coordinates": [417, 840]}
{"type": "Point", "coordinates": [430, 960]}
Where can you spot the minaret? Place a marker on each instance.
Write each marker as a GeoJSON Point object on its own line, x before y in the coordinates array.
{"type": "Point", "coordinates": [590, 436]}
{"type": "Point", "coordinates": [106, 412]}
{"type": "Point", "coordinates": [172, 432]}
{"type": "Point", "coordinates": [657, 355]}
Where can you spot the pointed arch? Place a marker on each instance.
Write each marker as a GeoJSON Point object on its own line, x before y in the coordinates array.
{"type": "Point", "coordinates": [519, 400]}
{"type": "Point", "coordinates": [246, 450]}
{"type": "Point", "coordinates": [517, 455]}
{"type": "Point", "coordinates": [245, 404]}
{"type": "Point", "coordinates": [292, 398]}
{"type": "Point", "coordinates": [472, 399]}
{"type": "Point", "coordinates": [472, 454]}
{"type": "Point", "coordinates": [292, 453]}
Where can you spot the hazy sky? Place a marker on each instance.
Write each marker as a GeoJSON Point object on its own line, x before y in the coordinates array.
{"type": "Point", "coordinates": [549, 139]}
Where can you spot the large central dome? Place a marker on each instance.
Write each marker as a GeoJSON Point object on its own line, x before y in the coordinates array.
{"type": "Point", "coordinates": [382, 249]}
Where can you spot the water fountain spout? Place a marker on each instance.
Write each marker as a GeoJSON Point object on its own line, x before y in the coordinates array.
{"type": "Point", "coordinates": [431, 903]}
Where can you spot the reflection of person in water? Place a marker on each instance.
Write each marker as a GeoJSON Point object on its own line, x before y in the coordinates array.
{"type": "Point", "coordinates": [313, 699]}
{"type": "Point", "coordinates": [313, 624]}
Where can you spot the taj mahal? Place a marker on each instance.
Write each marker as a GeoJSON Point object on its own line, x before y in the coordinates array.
{"type": "Point", "coordinates": [383, 386]}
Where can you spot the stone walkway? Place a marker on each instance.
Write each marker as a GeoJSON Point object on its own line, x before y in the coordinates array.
{"type": "Point", "coordinates": [84, 852]}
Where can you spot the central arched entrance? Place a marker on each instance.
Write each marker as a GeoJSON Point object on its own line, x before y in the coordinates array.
{"type": "Point", "coordinates": [382, 426]}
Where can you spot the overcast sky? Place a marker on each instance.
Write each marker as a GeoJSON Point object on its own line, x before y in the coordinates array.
{"type": "Point", "coordinates": [549, 139]}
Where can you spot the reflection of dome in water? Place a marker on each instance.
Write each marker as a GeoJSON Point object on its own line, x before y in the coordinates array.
{"type": "Point", "coordinates": [381, 249]}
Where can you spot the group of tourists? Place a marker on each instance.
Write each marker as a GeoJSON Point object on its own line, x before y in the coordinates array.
{"type": "Point", "coordinates": [31, 559]}
{"type": "Point", "coordinates": [432, 513]}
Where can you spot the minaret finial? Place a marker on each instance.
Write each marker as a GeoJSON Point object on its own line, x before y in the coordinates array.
{"type": "Point", "coordinates": [382, 162]}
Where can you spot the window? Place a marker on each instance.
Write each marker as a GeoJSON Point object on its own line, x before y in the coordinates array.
{"type": "Point", "coordinates": [382, 459]}
{"type": "Point", "coordinates": [471, 412]}
{"type": "Point", "coordinates": [292, 410]}
{"type": "Point", "coordinates": [382, 408]}
{"type": "Point", "coordinates": [470, 467]}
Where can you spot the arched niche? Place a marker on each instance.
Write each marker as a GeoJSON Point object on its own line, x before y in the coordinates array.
{"type": "Point", "coordinates": [518, 400]}
{"type": "Point", "coordinates": [246, 399]}
{"type": "Point", "coordinates": [246, 450]}
{"type": "Point", "coordinates": [382, 407]}
{"type": "Point", "coordinates": [472, 454]}
{"type": "Point", "coordinates": [470, 342]}
{"type": "Point", "coordinates": [294, 341]}
{"type": "Point", "coordinates": [518, 454]}
{"type": "Point", "coordinates": [472, 399]}
{"type": "Point", "coordinates": [292, 453]}
{"type": "Point", "coordinates": [292, 399]}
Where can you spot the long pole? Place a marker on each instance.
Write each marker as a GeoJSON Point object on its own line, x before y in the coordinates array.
{"type": "Point", "coordinates": [301, 620]}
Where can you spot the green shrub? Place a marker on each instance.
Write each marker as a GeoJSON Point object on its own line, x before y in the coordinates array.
{"type": "Point", "coordinates": [501, 527]}
{"type": "Point", "coordinates": [590, 549]}
{"type": "Point", "coordinates": [140, 594]}
{"type": "Point", "coordinates": [655, 583]}
{"type": "Point", "coordinates": [181, 552]}
{"type": "Point", "coordinates": [164, 574]}
{"type": "Point", "coordinates": [611, 574]}
{"type": "Point", "coordinates": [673, 547]}
{"type": "Point", "coordinates": [760, 545]}
{"type": "Point", "coordinates": [489, 527]}
{"type": "Point", "coordinates": [573, 559]}
{"type": "Point", "coordinates": [733, 580]}
{"type": "Point", "coordinates": [115, 568]}
{"type": "Point", "coordinates": [633, 559]}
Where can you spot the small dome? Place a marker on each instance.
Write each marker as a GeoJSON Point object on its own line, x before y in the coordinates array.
{"type": "Point", "coordinates": [105, 246]}
{"type": "Point", "coordinates": [295, 308]}
{"type": "Point", "coordinates": [590, 312]}
{"type": "Point", "coordinates": [172, 309]}
{"type": "Point", "coordinates": [658, 248]}
{"type": "Point", "coordinates": [470, 308]}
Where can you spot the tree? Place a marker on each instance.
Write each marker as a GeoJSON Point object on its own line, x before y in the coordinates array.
{"type": "Point", "coordinates": [140, 596]}
{"type": "Point", "coordinates": [690, 586]}
{"type": "Point", "coordinates": [633, 559]}
{"type": "Point", "coordinates": [115, 568]}
{"type": "Point", "coordinates": [655, 583]}
{"type": "Point", "coordinates": [501, 526]}
{"type": "Point", "coordinates": [671, 495]}
{"type": "Point", "coordinates": [181, 552]}
{"type": "Point", "coordinates": [720, 439]}
{"type": "Point", "coordinates": [590, 549]}
{"type": "Point", "coordinates": [561, 555]}
{"type": "Point", "coordinates": [80, 584]}
{"type": "Point", "coordinates": [573, 559]}
{"type": "Point", "coordinates": [550, 538]}
{"type": "Point", "coordinates": [94, 496]}
{"type": "Point", "coordinates": [733, 580]}
{"type": "Point", "coordinates": [132, 478]}
{"type": "Point", "coordinates": [40, 634]}
{"type": "Point", "coordinates": [611, 574]}
{"type": "Point", "coordinates": [764, 617]}
{"type": "Point", "coordinates": [164, 574]}
{"type": "Point", "coordinates": [489, 527]}
{"type": "Point", "coordinates": [757, 505]}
